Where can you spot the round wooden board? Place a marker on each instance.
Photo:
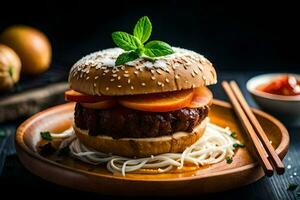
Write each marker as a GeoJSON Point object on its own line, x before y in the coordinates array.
{"type": "Point", "coordinates": [75, 174]}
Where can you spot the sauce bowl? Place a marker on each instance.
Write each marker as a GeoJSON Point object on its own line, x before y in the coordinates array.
{"type": "Point", "coordinates": [287, 108]}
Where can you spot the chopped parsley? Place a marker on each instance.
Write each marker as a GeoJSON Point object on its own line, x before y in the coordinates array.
{"type": "Point", "coordinates": [237, 145]}
{"type": "Point", "coordinates": [46, 135]}
{"type": "Point", "coordinates": [292, 186]}
{"type": "Point", "coordinates": [228, 160]}
{"type": "Point", "coordinates": [233, 135]}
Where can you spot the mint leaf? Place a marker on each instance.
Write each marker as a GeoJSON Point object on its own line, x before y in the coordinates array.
{"type": "Point", "coordinates": [157, 48]}
{"type": "Point", "coordinates": [46, 135]}
{"type": "Point", "coordinates": [126, 57]}
{"type": "Point", "coordinates": [134, 44]}
{"type": "Point", "coordinates": [126, 41]}
{"type": "Point", "coordinates": [143, 29]}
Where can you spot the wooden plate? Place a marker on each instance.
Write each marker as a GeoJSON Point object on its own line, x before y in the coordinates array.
{"type": "Point", "coordinates": [75, 174]}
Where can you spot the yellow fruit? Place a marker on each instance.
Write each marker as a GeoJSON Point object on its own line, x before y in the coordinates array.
{"type": "Point", "coordinates": [10, 67]}
{"type": "Point", "coordinates": [32, 46]}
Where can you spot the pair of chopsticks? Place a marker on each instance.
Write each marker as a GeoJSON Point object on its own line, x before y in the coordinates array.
{"type": "Point", "coordinates": [264, 150]}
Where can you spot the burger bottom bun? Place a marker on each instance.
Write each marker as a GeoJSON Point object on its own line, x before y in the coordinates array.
{"type": "Point", "coordinates": [141, 147]}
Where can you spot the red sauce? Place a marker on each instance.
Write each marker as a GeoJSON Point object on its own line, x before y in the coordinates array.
{"type": "Point", "coordinates": [285, 85]}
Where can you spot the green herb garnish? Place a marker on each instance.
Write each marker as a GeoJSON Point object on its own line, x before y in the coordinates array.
{"type": "Point", "coordinates": [46, 135]}
{"type": "Point", "coordinates": [233, 135]}
{"type": "Point", "coordinates": [237, 145]}
{"type": "Point", "coordinates": [292, 186]}
{"type": "Point", "coordinates": [228, 160]}
{"type": "Point", "coordinates": [134, 44]}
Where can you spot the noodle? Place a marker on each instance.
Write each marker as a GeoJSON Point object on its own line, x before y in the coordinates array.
{"type": "Point", "coordinates": [214, 146]}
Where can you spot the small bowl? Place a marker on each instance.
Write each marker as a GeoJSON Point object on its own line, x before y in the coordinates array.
{"type": "Point", "coordinates": [287, 108]}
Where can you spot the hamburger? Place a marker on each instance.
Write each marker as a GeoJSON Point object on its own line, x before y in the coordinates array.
{"type": "Point", "coordinates": [141, 99]}
{"type": "Point", "coordinates": [141, 108]}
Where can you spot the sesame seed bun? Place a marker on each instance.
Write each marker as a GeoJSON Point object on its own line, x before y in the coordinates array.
{"type": "Point", "coordinates": [96, 74]}
{"type": "Point", "coordinates": [141, 147]}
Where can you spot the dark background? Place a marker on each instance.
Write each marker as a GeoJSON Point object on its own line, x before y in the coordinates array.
{"type": "Point", "coordinates": [237, 36]}
{"type": "Point", "coordinates": [242, 39]}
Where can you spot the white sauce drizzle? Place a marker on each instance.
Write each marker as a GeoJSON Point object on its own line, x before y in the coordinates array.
{"type": "Point", "coordinates": [214, 146]}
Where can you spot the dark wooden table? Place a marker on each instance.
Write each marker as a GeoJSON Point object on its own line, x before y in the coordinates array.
{"type": "Point", "coordinates": [15, 179]}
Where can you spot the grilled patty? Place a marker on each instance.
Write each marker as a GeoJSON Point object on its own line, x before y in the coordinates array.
{"type": "Point", "coordinates": [121, 122]}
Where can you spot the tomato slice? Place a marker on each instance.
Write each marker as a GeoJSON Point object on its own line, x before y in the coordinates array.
{"type": "Point", "coordinates": [202, 96]}
{"type": "Point", "coordinates": [161, 102]}
{"type": "Point", "coordinates": [105, 104]}
{"type": "Point", "coordinates": [72, 95]}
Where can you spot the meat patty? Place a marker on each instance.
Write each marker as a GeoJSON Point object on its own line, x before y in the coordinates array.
{"type": "Point", "coordinates": [121, 122]}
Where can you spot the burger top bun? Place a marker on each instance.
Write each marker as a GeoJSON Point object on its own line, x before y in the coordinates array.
{"type": "Point", "coordinates": [96, 74]}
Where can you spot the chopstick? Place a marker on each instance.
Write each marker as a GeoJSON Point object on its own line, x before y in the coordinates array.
{"type": "Point", "coordinates": [261, 154]}
{"type": "Point", "coordinates": [276, 161]}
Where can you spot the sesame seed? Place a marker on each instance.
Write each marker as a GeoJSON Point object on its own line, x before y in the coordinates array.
{"type": "Point", "coordinates": [152, 71]}
{"type": "Point", "coordinates": [119, 86]}
{"type": "Point", "coordinates": [112, 79]}
{"type": "Point", "coordinates": [200, 67]}
{"type": "Point", "coordinates": [159, 72]}
{"type": "Point", "coordinates": [123, 67]}
{"type": "Point", "coordinates": [173, 67]}
{"type": "Point", "coordinates": [177, 76]}
{"type": "Point", "coordinates": [167, 80]}
{"type": "Point", "coordinates": [114, 75]}
{"type": "Point", "coordinates": [103, 67]}
{"type": "Point", "coordinates": [95, 84]}
{"type": "Point", "coordinates": [193, 74]}
{"type": "Point", "coordinates": [119, 77]}
{"type": "Point", "coordinates": [96, 77]}
{"type": "Point", "coordinates": [143, 84]}
{"type": "Point", "coordinates": [136, 72]}
{"type": "Point", "coordinates": [87, 78]}
{"type": "Point", "coordinates": [162, 85]}
{"type": "Point", "coordinates": [126, 72]}
{"type": "Point", "coordinates": [186, 81]}
{"type": "Point", "coordinates": [193, 86]}
{"type": "Point", "coordinates": [159, 83]}
{"type": "Point", "coordinates": [126, 75]}
{"type": "Point", "coordinates": [128, 81]}
{"type": "Point", "coordinates": [106, 71]}
{"type": "Point", "coordinates": [132, 87]}
{"type": "Point", "coordinates": [107, 88]}
{"type": "Point", "coordinates": [153, 77]}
